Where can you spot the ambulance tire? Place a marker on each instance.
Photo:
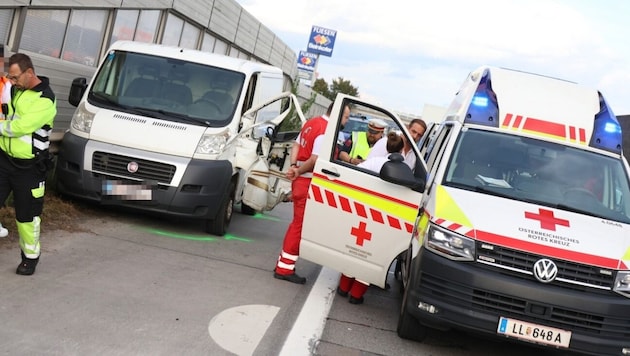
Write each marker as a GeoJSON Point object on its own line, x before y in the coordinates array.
{"type": "Point", "coordinates": [218, 226]}
{"type": "Point", "coordinates": [247, 210]}
{"type": "Point", "coordinates": [408, 327]}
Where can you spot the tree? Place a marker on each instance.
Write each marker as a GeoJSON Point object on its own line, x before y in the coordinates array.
{"type": "Point", "coordinates": [343, 86]}
{"type": "Point", "coordinates": [321, 87]}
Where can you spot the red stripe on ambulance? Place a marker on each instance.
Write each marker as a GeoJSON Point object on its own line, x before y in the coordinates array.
{"type": "Point", "coordinates": [337, 201]}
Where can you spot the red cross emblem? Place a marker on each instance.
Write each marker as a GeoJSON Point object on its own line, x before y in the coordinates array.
{"type": "Point", "coordinates": [547, 220]}
{"type": "Point", "coordinates": [361, 233]}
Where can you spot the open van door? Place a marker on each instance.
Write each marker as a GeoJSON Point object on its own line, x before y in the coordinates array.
{"type": "Point", "coordinates": [263, 151]}
{"type": "Point", "coordinates": [358, 221]}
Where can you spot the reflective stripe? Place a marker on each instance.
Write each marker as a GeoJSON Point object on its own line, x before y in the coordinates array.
{"type": "Point", "coordinates": [286, 265]}
{"type": "Point", "coordinates": [289, 256]}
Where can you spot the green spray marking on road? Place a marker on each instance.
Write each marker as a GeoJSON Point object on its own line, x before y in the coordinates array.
{"type": "Point", "coordinates": [266, 217]}
{"type": "Point", "coordinates": [196, 237]}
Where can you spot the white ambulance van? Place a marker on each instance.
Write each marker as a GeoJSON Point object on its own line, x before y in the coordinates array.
{"type": "Point", "coordinates": [179, 132]}
{"type": "Point", "coordinates": [520, 225]}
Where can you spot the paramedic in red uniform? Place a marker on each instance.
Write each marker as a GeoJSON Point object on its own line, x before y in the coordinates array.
{"type": "Point", "coordinates": [303, 157]}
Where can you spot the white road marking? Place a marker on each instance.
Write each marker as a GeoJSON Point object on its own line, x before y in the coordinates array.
{"type": "Point", "coordinates": [240, 329]}
{"type": "Point", "coordinates": [310, 323]}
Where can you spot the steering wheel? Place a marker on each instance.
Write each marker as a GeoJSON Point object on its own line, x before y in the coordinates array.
{"type": "Point", "coordinates": [579, 192]}
{"type": "Point", "coordinates": [215, 105]}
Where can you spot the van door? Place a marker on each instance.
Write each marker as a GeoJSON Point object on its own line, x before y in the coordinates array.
{"type": "Point", "coordinates": [355, 222]}
{"type": "Point", "coordinates": [264, 148]}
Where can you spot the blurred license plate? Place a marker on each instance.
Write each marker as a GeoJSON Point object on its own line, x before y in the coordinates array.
{"type": "Point", "coordinates": [119, 190]}
{"type": "Point", "coordinates": [533, 332]}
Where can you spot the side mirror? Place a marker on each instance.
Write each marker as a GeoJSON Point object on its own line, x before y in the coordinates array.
{"type": "Point", "coordinates": [77, 89]}
{"type": "Point", "coordinates": [398, 172]}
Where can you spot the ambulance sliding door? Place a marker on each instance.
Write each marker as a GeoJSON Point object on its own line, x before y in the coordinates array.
{"type": "Point", "coordinates": [355, 222]}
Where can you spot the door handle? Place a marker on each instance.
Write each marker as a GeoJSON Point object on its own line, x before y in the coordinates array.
{"type": "Point", "coordinates": [331, 173]}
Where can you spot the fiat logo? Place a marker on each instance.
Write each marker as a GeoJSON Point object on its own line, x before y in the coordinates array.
{"type": "Point", "coordinates": [545, 270]}
{"type": "Point", "coordinates": [132, 167]}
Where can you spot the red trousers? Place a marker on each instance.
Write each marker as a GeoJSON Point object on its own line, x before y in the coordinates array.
{"type": "Point", "coordinates": [356, 288]}
{"type": "Point", "coordinates": [293, 236]}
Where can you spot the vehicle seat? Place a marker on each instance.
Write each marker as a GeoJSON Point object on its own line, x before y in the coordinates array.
{"type": "Point", "coordinates": [176, 89]}
{"type": "Point", "coordinates": [146, 85]}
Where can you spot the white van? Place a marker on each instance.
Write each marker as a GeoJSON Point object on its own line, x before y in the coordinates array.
{"type": "Point", "coordinates": [179, 132]}
{"type": "Point", "coordinates": [518, 228]}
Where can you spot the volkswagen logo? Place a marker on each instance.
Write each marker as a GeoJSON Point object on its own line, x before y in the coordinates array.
{"type": "Point", "coordinates": [132, 167]}
{"type": "Point", "coordinates": [545, 270]}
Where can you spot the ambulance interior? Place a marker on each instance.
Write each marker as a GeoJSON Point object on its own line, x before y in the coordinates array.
{"type": "Point", "coordinates": [540, 172]}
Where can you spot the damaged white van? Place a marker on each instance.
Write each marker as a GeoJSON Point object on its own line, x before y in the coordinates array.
{"type": "Point", "coordinates": [519, 227]}
{"type": "Point", "coordinates": [179, 132]}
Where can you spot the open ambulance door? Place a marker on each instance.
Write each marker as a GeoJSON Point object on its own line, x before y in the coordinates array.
{"type": "Point", "coordinates": [357, 221]}
{"type": "Point", "coordinates": [263, 150]}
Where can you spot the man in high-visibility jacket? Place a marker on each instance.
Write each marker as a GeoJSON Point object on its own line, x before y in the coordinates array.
{"type": "Point", "coordinates": [24, 156]}
{"type": "Point", "coordinates": [357, 147]}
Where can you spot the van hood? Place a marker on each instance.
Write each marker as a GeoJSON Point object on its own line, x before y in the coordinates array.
{"type": "Point", "coordinates": [537, 229]}
{"type": "Point", "coordinates": [146, 133]}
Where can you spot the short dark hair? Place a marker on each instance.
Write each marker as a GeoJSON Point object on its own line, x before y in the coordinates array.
{"type": "Point", "coordinates": [23, 61]}
{"type": "Point", "coordinates": [418, 121]}
{"type": "Point", "coordinates": [394, 142]}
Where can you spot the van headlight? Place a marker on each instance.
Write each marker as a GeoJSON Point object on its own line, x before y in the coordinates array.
{"type": "Point", "coordinates": [82, 119]}
{"type": "Point", "coordinates": [622, 282]}
{"type": "Point", "coordinates": [211, 144]}
{"type": "Point", "coordinates": [450, 245]}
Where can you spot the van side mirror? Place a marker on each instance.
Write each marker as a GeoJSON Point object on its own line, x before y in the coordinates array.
{"type": "Point", "coordinates": [77, 89]}
{"type": "Point", "coordinates": [398, 172]}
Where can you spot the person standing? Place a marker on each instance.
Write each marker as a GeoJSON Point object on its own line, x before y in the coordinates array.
{"type": "Point", "coordinates": [24, 156]}
{"type": "Point", "coordinates": [5, 98]}
{"type": "Point", "coordinates": [417, 128]}
{"type": "Point", "coordinates": [303, 158]}
{"type": "Point", "coordinates": [349, 285]}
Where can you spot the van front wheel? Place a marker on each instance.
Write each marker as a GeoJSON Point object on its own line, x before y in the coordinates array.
{"type": "Point", "coordinates": [408, 326]}
{"type": "Point", "coordinates": [218, 226]}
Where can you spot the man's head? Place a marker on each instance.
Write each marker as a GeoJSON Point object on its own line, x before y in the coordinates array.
{"type": "Point", "coordinates": [416, 128]}
{"type": "Point", "coordinates": [375, 130]}
{"type": "Point", "coordinates": [21, 72]}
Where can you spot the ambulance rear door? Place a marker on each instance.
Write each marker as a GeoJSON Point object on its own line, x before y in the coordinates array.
{"type": "Point", "coordinates": [355, 222]}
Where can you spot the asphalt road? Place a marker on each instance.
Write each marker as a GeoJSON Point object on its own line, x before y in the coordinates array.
{"type": "Point", "coordinates": [141, 285]}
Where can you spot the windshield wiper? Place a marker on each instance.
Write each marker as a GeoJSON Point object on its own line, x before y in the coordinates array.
{"type": "Point", "coordinates": [580, 211]}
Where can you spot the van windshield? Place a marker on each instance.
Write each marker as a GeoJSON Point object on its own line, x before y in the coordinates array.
{"type": "Point", "coordinates": [167, 89]}
{"type": "Point", "coordinates": [540, 172]}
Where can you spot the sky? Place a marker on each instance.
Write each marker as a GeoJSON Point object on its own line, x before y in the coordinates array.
{"type": "Point", "coordinates": [403, 54]}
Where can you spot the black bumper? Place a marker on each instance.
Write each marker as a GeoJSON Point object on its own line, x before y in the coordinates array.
{"type": "Point", "coordinates": [199, 194]}
{"type": "Point", "coordinates": [471, 297]}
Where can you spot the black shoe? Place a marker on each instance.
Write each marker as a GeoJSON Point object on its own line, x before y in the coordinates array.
{"type": "Point", "coordinates": [293, 278]}
{"type": "Point", "coordinates": [27, 267]}
{"type": "Point", "coordinates": [342, 293]}
{"type": "Point", "coordinates": [353, 300]}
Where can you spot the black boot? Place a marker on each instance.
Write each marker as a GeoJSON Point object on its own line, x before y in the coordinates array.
{"type": "Point", "coordinates": [27, 267]}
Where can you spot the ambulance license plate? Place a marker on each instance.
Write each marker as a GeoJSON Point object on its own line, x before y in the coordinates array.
{"type": "Point", "coordinates": [118, 190]}
{"type": "Point", "coordinates": [533, 332]}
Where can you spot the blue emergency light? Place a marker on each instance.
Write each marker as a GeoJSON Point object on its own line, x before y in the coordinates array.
{"type": "Point", "coordinates": [606, 129]}
{"type": "Point", "coordinates": [483, 109]}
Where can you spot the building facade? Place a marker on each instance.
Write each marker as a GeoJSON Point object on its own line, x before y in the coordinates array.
{"type": "Point", "coordinates": [67, 38]}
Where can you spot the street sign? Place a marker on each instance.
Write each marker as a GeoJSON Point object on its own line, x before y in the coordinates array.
{"type": "Point", "coordinates": [321, 41]}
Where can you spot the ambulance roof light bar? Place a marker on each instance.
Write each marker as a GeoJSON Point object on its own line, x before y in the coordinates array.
{"type": "Point", "coordinates": [483, 109]}
{"type": "Point", "coordinates": [606, 129]}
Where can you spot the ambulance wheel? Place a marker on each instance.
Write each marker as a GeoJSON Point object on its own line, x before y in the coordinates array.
{"type": "Point", "coordinates": [218, 226]}
{"type": "Point", "coordinates": [247, 210]}
{"type": "Point", "coordinates": [408, 327]}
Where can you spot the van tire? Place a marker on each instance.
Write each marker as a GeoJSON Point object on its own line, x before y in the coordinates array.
{"type": "Point", "coordinates": [247, 210]}
{"type": "Point", "coordinates": [219, 225]}
{"type": "Point", "coordinates": [408, 327]}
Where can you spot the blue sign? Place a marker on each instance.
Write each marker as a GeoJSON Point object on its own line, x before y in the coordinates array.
{"type": "Point", "coordinates": [321, 41]}
{"type": "Point", "coordinates": [307, 61]}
